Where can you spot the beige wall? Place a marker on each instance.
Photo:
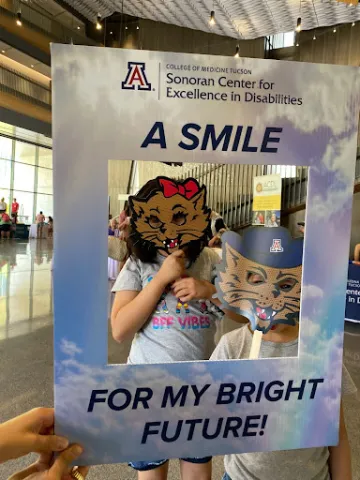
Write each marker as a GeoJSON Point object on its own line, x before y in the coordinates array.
{"type": "Point", "coordinates": [170, 38]}
{"type": "Point", "coordinates": [340, 48]}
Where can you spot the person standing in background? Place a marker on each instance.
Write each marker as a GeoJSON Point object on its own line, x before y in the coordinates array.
{"type": "Point", "coordinates": [3, 205]}
{"type": "Point", "coordinates": [14, 209]}
{"type": "Point", "coordinates": [40, 220]}
{"type": "Point", "coordinates": [51, 227]}
{"type": "Point", "coordinates": [5, 225]}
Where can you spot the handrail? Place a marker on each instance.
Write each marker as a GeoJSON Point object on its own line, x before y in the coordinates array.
{"type": "Point", "coordinates": [24, 87]}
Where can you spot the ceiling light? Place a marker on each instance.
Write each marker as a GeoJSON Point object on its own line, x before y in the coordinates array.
{"type": "Point", "coordinates": [353, 24]}
{"type": "Point", "coordinates": [137, 28]}
{"type": "Point", "coordinates": [2, 51]}
{"type": "Point", "coordinates": [298, 25]}
{"type": "Point", "coordinates": [297, 44]}
{"type": "Point", "coordinates": [111, 33]}
{"type": "Point", "coordinates": [237, 51]}
{"type": "Point", "coordinates": [334, 30]}
{"type": "Point", "coordinates": [98, 22]}
{"type": "Point", "coordinates": [32, 66]}
{"type": "Point", "coordinates": [78, 27]}
{"type": "Point", "coordinates": [314, 37]}
{"type": "Point", "coordinates": [126, 28]}
{"type": "Point", "coordinates": [212, 18]}
{"type": "Point", "coordinates": [18, 19]}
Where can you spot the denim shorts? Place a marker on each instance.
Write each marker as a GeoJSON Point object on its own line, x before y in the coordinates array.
{"type": "Point", "coordinates": [150, 465]}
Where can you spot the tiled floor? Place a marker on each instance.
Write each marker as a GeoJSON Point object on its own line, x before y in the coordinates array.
{"type": "Point", "coordinates": [26, 364]}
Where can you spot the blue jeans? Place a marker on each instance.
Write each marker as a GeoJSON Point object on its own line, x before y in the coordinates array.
{"type": "Point", "coordinates": [151, 465]}
{"type": "Point", "coordinates": [226, 477]}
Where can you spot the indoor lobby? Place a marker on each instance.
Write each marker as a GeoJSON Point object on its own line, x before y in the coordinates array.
{"type": "Point", "coordinates": [247, 114]}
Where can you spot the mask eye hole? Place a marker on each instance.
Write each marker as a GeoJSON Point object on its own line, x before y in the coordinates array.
{"type": "Point", "coordinates": [255, 278]}
{"type": "Point", "coordinates": [155, 221]}
{"type": "Point", "coordinates": [287, 284]}
{"type": "Point", "coordinates": [179, 218]}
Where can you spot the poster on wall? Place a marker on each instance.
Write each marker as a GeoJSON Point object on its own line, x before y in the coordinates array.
{"type": "Point", "coordinates": [267, 200]}
{"type": "Point", "coordinates": [352, 312]}
{"type": "Point", "coordinates": [170, 107]}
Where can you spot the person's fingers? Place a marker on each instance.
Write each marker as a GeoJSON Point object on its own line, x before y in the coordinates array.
{"type": "Point", "coordinates": [37, 419]}
{"type": "Point", "coordinates": [23, 474]}
{"type": "Point", "coordinates": [177, 284]}
{"type": "Point", "coordinates": [178, 253]}
{"type": "Point", "coordinates": [182, 292]}
{"type": "Point", "coordinates": [48, 443]}
{"type": "Point", "coordinates": [187, 298]}
{"type": "Point", "coordinates": [62, 464]}
{"type": "Point", "coordinates": [181, 286]}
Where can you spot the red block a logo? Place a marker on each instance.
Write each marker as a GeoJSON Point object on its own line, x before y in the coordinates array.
{"type": "Point", "coordinates": [136, 77]}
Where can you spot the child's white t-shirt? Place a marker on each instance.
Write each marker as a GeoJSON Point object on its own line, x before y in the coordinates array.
{"type": "Point", "coordinates": [302, 464]}
{"type": "Point", "coordinates": [174, 332]}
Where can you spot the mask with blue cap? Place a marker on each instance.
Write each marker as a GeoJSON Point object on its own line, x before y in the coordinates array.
{"type": "Point", "coordinates": [260, 276]}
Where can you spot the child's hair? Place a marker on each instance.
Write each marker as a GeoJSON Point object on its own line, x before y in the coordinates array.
{"type": "Point", "coordinates": [146, 252]}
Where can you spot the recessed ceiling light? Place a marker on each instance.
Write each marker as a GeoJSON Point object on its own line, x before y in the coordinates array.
{"type": "Point", "coordinates": [111, 33]}
{"type": "Point", "coordinates": [126, 28]}
{"type": "Point", "coordinates": [32, 66]}
{"type": "Point", "coordinates": [78, 27]}
{"type": "Point", "coordinates": [138, 28]}
{"type": "Point", "coordinates": [2, 51]}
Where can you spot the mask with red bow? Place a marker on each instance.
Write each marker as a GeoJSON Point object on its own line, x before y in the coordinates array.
{"type": "Point", "coordinates": [170, 215]}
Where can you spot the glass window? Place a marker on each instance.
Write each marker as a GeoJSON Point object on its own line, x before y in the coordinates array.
{"type": "Point", "coordinates": [45, 204]}
{"type": "Point", "coordinates": [281, 40]}
{"type": "Point", "coordinates": [5, 147]}
{"type": "Point", "coordinates": [25, 153]}
{"type": "Point", "coordinates": [44, 181]}
{"type": "Point", "coordinates": [24, 177]}
{"type": "Point", "coordinates": [5, 173]}
{"type": "Point", "coordinates": [45, 157]}
{"type": "Point", "coordinates": [286, 171]}
{"type": "Point", "coordinates": [26, 206]}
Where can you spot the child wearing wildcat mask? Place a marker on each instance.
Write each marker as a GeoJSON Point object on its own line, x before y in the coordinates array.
{"type": "Point", "coordinates": [164, 292]}
{"type": "Point", "coordinates": [267, 291]}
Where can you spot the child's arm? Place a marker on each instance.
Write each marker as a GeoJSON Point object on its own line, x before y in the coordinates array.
{"type": "Point", "coordinates": [131, 308]}
{"type": "Point", "coordinates": [340, 456]}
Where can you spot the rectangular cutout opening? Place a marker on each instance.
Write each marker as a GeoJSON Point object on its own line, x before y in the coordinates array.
{"type": "Point", "coordinates": [174, 330]}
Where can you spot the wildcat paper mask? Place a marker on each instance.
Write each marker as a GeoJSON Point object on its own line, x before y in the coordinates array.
{"type": "Point", "coordinates": [172, 216]}
{"type": "Point", "coordinates": [260, 276]}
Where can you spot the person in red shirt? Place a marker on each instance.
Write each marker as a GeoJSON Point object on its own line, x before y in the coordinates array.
{"type": "Point", "coordinates": [15, 209]}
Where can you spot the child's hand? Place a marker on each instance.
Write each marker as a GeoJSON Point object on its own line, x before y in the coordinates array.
{"type": "Point", "coordinates": [172, 268]}
{"type": "Point", "coordinates": [189, 288]}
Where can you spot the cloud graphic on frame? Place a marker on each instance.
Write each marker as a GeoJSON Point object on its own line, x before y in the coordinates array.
{"type": "Point", "coordinates": [69, 348]}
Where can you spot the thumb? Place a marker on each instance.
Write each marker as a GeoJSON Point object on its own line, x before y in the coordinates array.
{"type": "Point", "coordinates": [179, 253]}
{"type": "Point", "coordinates": [49, 443]}
{"type": "Point", "coordinates": [63, 462]}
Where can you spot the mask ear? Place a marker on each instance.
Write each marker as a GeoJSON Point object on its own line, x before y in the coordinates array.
{"type": "Point", "coordinates": [136, 206]}
{"type": "Point", "coordinates": [199, 199]}
{"type": "Point", "coordinates": [232, 256]}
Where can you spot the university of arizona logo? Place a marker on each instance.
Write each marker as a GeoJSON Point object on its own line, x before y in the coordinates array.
{"type": "Point", "coordinates": [136, 77]}
{"type": "Point", "coordinates": [276, 246]}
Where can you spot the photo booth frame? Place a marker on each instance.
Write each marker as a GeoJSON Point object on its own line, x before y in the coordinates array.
{"type": "Point", "coordinates": [128, 104]}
